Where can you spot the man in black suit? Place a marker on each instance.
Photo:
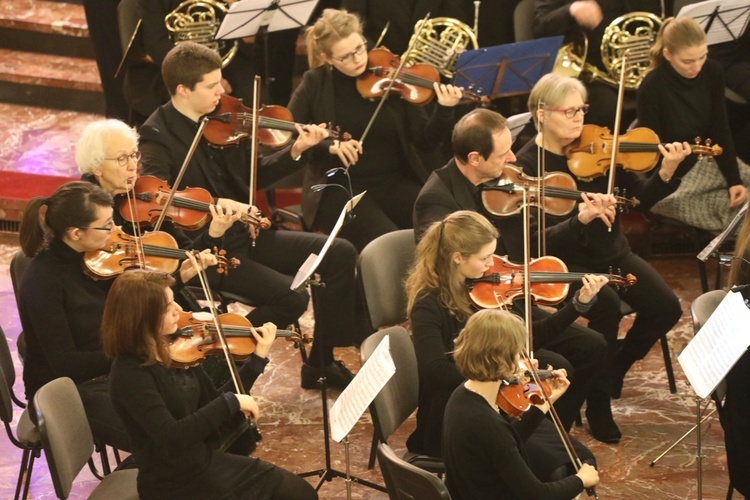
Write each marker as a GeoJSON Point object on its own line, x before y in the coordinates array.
{"type": "Point", "coordinates": [193, 77]}
{"type": "Point", "coordinates": [481, 145]}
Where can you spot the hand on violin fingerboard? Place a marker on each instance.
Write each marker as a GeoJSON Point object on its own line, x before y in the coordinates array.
{"type": "Point", "coordinates": [309, 136]}
{"type": "Point", "coordinates": [597, 206]}
{"type": "Point", "coordinates": [264, 336]}
{"type": "Point", "coordinates": [189, 267]}
{"type": "Point", "coordinates": [673, 154]}
{"type": "Point", "coordinates": [447, 95]}
{"type": "Point", "coordinates": [347, 151]}
{"type": "Point", "coordinates": [592, 283]}
{"type": "Point", "coordinates": [222, 217]}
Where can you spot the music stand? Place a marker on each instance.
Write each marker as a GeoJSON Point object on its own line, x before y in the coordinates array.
{"type": "Point", "coordinates": [517, 123]}
{"type": "Point", "coordinates": [723, 20]}
{"type": "Point", "coordinates": [251, 17]}
{"type": "Point", "coordinates": [506, 70]}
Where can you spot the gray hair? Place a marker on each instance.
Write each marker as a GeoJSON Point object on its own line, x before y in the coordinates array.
{"type": "Point", "coordinates": [552, 90]}
{"type": "Point", "coordinates": [90, 150]}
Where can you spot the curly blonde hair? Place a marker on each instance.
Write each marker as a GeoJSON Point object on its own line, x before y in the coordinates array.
{"type": "Point", "coordinates": [332, 26]}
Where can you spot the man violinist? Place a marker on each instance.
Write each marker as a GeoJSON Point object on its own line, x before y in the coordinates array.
{"type": "Point", "coordinates": [193, 76]}
{"type": "Point", "coordinates": [481, 146]}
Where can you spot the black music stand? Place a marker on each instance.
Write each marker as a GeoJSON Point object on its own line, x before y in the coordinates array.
{"type": "Point", "coordinates": [506, 70]}
{"type": "Point", "coordinates": [723, 20]}
{"type": "Point", "coordinates": [260, 17]}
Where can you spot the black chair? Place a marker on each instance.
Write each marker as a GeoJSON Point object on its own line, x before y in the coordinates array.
{"type": "Point", "coordinates": [407, 482]}
{"type": "Point", "coordinates": [26, 436]}
{"type": "Point", "coordinates": [399, 397]}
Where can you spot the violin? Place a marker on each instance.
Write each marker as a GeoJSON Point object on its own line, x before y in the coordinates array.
{"type": "Point", "coordinates": [550, 281]}
{"type": "Point", "coordinates": [638, 151]}
{"type": "Point", "coordinates": [517, 395]}
{"type": "Point", "coordinates": [156, 250]}
{"type": "Point", "coordinates": [504, 196]}
{"type": "Point", "coordinates": [233, 121]}
{"type": "Point", "coordinates": [189, 208]}
{"type": "Point", "coordinates": [195, 339]}
{"type": "Point", "coordinates": [414, 84]}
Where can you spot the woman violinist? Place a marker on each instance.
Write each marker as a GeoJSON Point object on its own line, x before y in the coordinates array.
{"type": "Point", "coordinates": [458, 248]}
{"type": "Point", "coordinates": [603, 246]}
{"type": "Point", "coordinates": [174, 417]}
{"type": "Point", "coordinates": [682, 97]}
{"type": "Point", "coordinates": [60, 306]}
{"type": "Point", "coordinates": [484, 454]}
{"type": "Point", "coordinates": [402, 137]}
{"type": "Point", "coordinates": [736, 423]}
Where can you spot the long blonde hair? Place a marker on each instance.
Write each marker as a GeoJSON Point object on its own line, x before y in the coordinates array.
{"type": "Point", "coordinates": [434, 271]}
{"type": "Point", "coordinates": [332, 26]}
{"type": "Point", "coordinates": [676, 34]}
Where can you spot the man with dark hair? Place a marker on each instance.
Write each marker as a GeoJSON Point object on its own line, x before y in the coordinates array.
{"type": "Point", "coordinates": [481, 142]}
{"type": "Point", "coordinates": [193, 75]}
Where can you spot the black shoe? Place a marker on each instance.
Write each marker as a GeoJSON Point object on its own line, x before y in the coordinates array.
{"type": "Point", "coordinates": [601, 424]}
{"type": "Point", "coordinates": [616, 387]}
{"type": "Point", "coordinates": [337, 376]}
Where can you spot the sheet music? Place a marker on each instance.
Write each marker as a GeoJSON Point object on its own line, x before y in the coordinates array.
{"type": "Point", "coordinates": [360, 392]}
{"type": "Point", "coordinates": [718, 345]}
{"type": "Point", "coordinates": [313, 260]}
{"type": "Point", "coordinates": [717, 241]}
{"type": "Point", "coordinates": [247, 16]}
{"type": "Point", "coordinates": [516, 123]}
{"type": "Point", "coordinates": [728, 24]}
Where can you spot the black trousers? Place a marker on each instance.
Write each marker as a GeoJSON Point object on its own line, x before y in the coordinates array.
{"type": "Point", "coordinates": [266, 273]}
{"type": "Point", "coordinates": [737, 424]}
{"type": "Point", "coordinates": [656, 306]}
{"type": "Point", "coordinates": [581, 351]}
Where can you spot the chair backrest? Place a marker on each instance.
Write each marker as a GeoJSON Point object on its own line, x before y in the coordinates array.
{"type": "Point", "coordinates": [7, 379]}
{"type": "Point", "coordinates": [66, 435]}
{"type": "Point", "coordinates": [523, 20]}
{"type": "Point", "coordinates": [399, 397]}
{"type": "Point", "coordinates": [18, 265]}
{"type": "Point", "coordinates": [407, 482]}
{"type": "Point", "coordinates": [383, 266]}
{"type": "Point", "coordinates": [703, 307]}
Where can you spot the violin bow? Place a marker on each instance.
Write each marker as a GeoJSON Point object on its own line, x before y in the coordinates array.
{"type": "Point", "coordinates": [564, 437]}
{"type": "Point", "coordinates": [393, 79]}
{"type": "Point", "coordinates": [616, 136]}
{"type": "Point", "coordinates": [254, 154]}
{"type": "Point", "coordinates": [178, 179]}
{"type": "Point", "coordinates": [132, 201]}
{"type": "Point", "coordinates": [541, 170]}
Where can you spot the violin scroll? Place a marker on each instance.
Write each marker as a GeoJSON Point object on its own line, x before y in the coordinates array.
{"type": "Point", "coordinates": [705, 149]}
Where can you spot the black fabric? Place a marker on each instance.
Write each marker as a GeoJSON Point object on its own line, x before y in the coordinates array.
{"type": "Point", "coordinates": [681, 109]}
{"type": "Point", "coordinates": [657, 307]}
{"type": "Point", "coordinates": [268, 264]}
{"type": "Point", "coordinates": [485, 457]}
{"type": "Point", "coordinates": [172, 415]}
{"type": "Point", "coordinates": [409, 135]}
{"type": "Point", "coordinates": [434, 330]}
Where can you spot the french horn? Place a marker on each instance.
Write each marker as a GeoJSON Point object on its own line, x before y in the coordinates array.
{"type": "Point", "coordinates": [634, 33]}
{"type": "Point", "coordinates": [198, 21]}
{"type": "Point", "coordinates": [440, 43]}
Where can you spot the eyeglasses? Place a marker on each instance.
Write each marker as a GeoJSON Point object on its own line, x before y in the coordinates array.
{"type": "Point", "coordinates": [122, 160]}
{"type": "Point", "coordinates": [108, 227]}
{"type": "Point", "coordinates": [571, 112]}
{"type": "Point", "coordinates": [349, 58]}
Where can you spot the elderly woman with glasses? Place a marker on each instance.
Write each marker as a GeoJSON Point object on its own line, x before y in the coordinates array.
{"type": "Point", "coordinates": [398, 156]}
{"type": "Point", "coordinates": [603, 247]}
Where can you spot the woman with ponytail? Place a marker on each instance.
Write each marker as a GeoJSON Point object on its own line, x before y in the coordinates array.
{"type": "Point", "coordinates": [682, 98]}
{"type": "Point", "coordinates": [453, 250]}
{"type": "Point", "coordinates": [395, 163]}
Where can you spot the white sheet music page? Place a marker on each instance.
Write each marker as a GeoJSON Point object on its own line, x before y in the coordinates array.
{"type": "Point", "coordinates": [718, 345]}
{"type": "Point", "coordinates": [728, 25]}
{"type": "Point", "coordinates": [360, 392]}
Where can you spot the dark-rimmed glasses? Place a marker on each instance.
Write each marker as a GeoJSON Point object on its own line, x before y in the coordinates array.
{"type": "Point", "coordinates": [122, 160]}
{"type": "Point", "coordinates": [108, 227]}
{"type": "Point", "coordinates": [571, 112]}
{"type": "Point", "coordinates": [349, 58]}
